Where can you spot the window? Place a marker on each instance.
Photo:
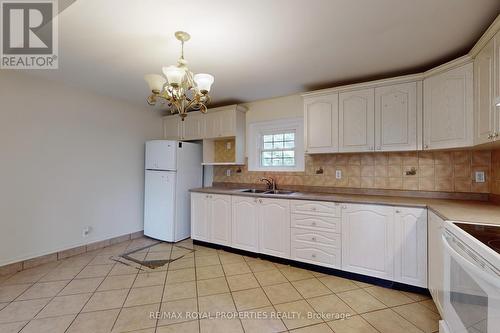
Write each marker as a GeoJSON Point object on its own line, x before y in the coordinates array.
{"type": "Point", "coordinates": [278, 149]}
{"type": "Point", "coordinates": [276, 145]}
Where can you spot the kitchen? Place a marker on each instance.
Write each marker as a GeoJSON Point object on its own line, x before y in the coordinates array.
{"type": "Point", "coordinates": [370, 205]}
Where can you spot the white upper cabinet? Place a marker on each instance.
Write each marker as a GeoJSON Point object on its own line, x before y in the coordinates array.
{"type": "Point", "coordinates": [396, 117]}
{"type": "Point", "coordinates": [172, 127]}
{"type": "Point", "coordinates": [410, 238]}
{"type": "Point", "coordinates": [496, 84]}
{"type": "Point", "coordinates": [368, 240]}
{"type": "Point", "coordinates": [245, 223]}
{"type": "Point", "coordinates": [274, 227]}
{"type": "Point", "coordinates": [486, 90]}
{"type": "Point", "coordinates": [484, 110]}
{"type": "Point", "coordinates": [193, 126]}
{"type": "Point", "coordinates": [220, 123]}
{"type": "Point", "coordinates": [448, 109]}
{"type": "Point", "coordinates": [356, 121]}
{"type": "Point", "coordinates": [321, 117]}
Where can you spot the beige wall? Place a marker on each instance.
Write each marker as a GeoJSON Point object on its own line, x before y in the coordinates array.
{"type": "Point", "coordinates": [68, 159]}
{"type": "Point", "coordinates": [272, 109]}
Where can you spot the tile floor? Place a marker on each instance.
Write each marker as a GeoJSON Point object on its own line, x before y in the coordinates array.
{"type": "Point", "coordinates": [93, 293]}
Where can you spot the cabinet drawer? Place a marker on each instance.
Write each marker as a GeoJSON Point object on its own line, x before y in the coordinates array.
{"type": "Point", "coordinates": [316, 254]}
{"type": "Point", "coordinates": [316, 237]}
{"type": "Point", "coordinates": [331, 224]}
{"type": "Point", "coordinates": [316, 207]}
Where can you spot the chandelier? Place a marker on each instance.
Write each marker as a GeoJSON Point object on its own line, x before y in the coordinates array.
{"type": "Point", "coordinates": [181, 90]}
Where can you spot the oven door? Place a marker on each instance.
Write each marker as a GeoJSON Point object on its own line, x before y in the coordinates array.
{"type": "Point", "coordinates": [471, 289]}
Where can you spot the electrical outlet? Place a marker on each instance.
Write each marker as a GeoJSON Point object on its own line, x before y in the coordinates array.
{"type": "Point", "coordinates": [480, 177]}
{"type": "Point", "coordinates": [86, 231]}
{"type": "Point", "coordinates": [338, 174]}
{"type": "Point", "coordinates": [228, 145]}
{"type": "Point", "coordinates": [228, 172]}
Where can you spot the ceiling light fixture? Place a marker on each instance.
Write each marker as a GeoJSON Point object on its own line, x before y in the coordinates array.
{"type": "Point", "coordinates": [181, 90]}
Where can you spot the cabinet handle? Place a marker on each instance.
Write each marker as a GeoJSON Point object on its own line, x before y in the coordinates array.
{"type": "Point", "coordinates": [495, 134]}
{"type": "Point", "coordinates": [426, 146]}
{"type": "Point", "coordinates": [314, 239]}
{"type": "Point", "coordinates": [398, 211]}
{"type": "Point", "coordinates": [313, 255]}
{"type": "Point", "coordinates": [378, 147]}
{"type": "Point", "coordinates": [313, 223]}
{"type": "Point", "coordinates": [490, 136]}
{"type": "Point", "coordinates": [313, 209]}
{"type": "Point", "coordinates": [260, 200]}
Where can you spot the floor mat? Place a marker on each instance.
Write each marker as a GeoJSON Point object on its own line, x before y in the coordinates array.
{"type": "Point", "coordinates": [177, 252]}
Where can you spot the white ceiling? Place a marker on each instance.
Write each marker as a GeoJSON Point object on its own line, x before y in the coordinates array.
{"type": "Point", "coordinates": [261, 48]}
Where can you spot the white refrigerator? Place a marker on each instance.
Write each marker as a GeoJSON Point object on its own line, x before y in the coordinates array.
{"type": "Point", "coordinates": [172, 168]}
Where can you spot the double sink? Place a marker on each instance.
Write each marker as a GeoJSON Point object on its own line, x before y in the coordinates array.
{"type": "Point", "coordinates": [257, 191]}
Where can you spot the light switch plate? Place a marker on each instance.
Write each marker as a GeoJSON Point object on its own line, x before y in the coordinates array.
{"type": "Point", "coordinates": [228, 172]}
{"type": "Point", "coordinates": [338, 174]}
{"type": "Point", "coordinates": [480, 177]}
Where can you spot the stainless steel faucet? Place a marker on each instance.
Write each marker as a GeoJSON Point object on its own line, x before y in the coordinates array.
{"type": "Point", "coordinates": [271, 183]}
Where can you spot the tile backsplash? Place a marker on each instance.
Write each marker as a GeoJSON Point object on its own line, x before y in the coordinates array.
{"type": "Point", "coordinates": [495, 172]}
{"type": "Point", "coordinates": [444, 171]}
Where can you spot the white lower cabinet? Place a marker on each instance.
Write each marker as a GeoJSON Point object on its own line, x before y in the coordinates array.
{"type": "Point", "coordinates": [316, 247]}
{"type": "Point", "coordinates": [200, 227]}
{"type": "Point", "coordinates": [211, 218]}
{"type": "Point", "coordinates": [261, 225]}
{"type": "Point", "coordinates": [381, 241]}
{"type": "Point", "coordinates": [410, 235]}
{"type": "Point", "coordinates": [220, 219]}
{"type": "Point", "coordinates": [274, 227]}
{"type": "Point", "coordinates": [436, 261]}
{"type": "Point", "coordinates": [368, 240]}
{"type": "Point", "coordinates": [245, 224]}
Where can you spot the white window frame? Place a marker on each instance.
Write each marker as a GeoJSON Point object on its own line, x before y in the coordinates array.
{"type": "Point", "coordinates": [258, 129]}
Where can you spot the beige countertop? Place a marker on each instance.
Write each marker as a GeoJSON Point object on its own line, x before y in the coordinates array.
{"type": "Point", "coordinates": [453, 210]}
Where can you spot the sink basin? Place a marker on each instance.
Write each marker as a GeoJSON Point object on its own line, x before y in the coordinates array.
{"type": "Point", "coordinates": [282, 192]}
{"type": "Point", "coordinates": [253, 190]}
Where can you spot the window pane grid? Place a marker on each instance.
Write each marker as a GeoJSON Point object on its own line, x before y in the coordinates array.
{"type": "Point", "coordinates": [278, 149]}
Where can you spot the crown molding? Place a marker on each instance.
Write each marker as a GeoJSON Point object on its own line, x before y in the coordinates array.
{"type": "Point", "coordinates": [362, 85]}
{"type": "Point", "coordinates": [485, 38]}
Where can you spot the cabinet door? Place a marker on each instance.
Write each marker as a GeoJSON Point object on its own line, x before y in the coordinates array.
{"type": "Point", "coordinates": [274, 227]}
{"type": "Point", "coordinates": [245, 226]}
{"type": "Point", "coordinates": [368, 240]}
{"type": "Point", "coordinates": [200, 222]}
{"type": "Point", "coordinates": [410, 237]}
{"type": "Point", "coordinates": [356, 121]}
{"type": "Point", "coordinates": [227, 120]}
{"type": "Point", "coordinates": [484, 110]}
{"type": "Point", "coordinates": [194, 126]}
{"type": "Point", "coordinates": [396, 117]}
{"type": "Point", "coordinates": [321, 117]}
{"type": "Point", "coordinates": [448, 109]}
{"type": "Point", "coordinates": [172, 127]}
{"type": "Point", "coordinates": [212, 125]}
{"type": "Point", "coordinates": [220, 219]}
{"type": "Point", "coordinates": [496, 83]}
{"type": "Point", "coordinates": [435, 251]}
